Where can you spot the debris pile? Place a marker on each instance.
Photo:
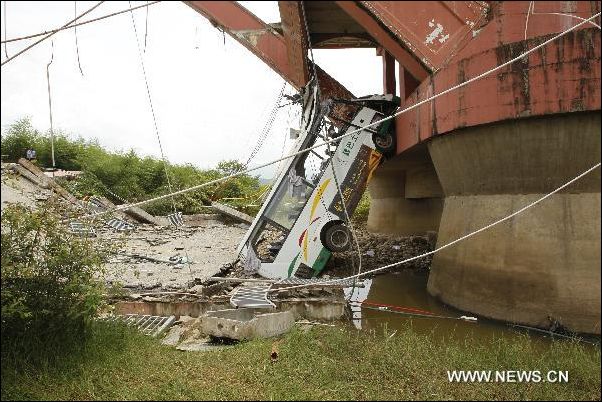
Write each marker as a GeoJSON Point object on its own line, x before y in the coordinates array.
{"type": "Point", "coordinates": [380, 249]}
{"type": "Point", "coordinates": [165, 258]}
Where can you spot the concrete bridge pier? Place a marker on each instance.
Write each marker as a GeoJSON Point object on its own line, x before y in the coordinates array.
{"type": "Point", "coordinates": [406, 196]}
{"type": "Point", "coordinates": [544, 264]}
{"type": "Point", "coordinates": [539, 267]}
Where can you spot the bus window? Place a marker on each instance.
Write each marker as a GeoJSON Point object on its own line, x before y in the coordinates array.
{"type": "Point", "coordinates": [289, 200]}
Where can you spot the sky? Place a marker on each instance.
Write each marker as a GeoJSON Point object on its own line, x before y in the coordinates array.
{"type": "Point", "coordinates": [211, 96]}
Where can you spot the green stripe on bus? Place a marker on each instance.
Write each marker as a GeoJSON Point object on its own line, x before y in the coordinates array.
{"type": "Point", "coordinates": [290, 267]}
{"type": "Point", "coordinates": [321, 261]}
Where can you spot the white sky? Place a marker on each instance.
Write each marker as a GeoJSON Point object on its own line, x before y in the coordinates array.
{"type": "Point", "coordinates": [211, 100]}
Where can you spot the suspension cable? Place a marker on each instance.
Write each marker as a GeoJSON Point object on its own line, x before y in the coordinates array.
{"type": "Point", "coordinates": [5, 48]}
{"type": "Point", "coordinates": [50, 108]}
{"type": "Point", "coordinates": [150, 102]}
{"type": "Point", "coordinates": [76, 42]}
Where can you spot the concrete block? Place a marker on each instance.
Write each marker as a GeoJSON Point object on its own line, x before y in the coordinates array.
{"type": "Point", "coordinates": [246, 323]}
{"type": "Point", "coordinates": [30, 176]}
{"type": "Point", "coordinates": [231, 212]}
{"type": "Point", "coordinates": [142, 216]}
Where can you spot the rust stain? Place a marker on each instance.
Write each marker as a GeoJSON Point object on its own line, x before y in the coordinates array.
{"type": "Point", "coordinates": [433, 108]}
{"type": "Point", "coordinates": [519, 71]}
{"type": "Point", "coordinates": [462, 66]}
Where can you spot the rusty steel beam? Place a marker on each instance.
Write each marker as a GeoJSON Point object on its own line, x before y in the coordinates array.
{"type": "Point", "coordinates": [295, 37]}
{"type": "Point", "coordinates": [389, 85]}
{"type": "Point", "coordinates": [433, 31]}
{"type": "Point", "coordinates": [385, 39]}
{"type": "Point", "coordinates": [407, 83]}
{"type": "Point", "coordinates": [267, 44]}
{"type": "Point", "coordinates": [251, 32]}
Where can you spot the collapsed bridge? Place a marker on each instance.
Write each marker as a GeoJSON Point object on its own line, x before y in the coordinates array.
{"type": "Point", "coordinates": [469, 157]}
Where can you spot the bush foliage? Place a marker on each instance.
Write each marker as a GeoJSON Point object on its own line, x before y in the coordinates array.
{"type": "Point", "coordinates": [49, 288]}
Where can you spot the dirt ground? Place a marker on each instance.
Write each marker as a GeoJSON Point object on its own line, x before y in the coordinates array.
{"type": "Point", "coordinates": [173, 258]}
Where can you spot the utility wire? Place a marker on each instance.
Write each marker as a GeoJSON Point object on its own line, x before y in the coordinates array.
{"type": "Point", "coordinates": [407, 109]}
{"type": "Point", "coordinates": [150, 102]}
{"type": "Point", "coordinates": [76, 44]}
{"type": "Point", "coordinates": [79, 24]}
{"type": "Point", "coordinates": [5, 49]}
{"type": "Point", "coordinates": [50, 108]}
{"type": "Point", "coordinates": [50, 34]}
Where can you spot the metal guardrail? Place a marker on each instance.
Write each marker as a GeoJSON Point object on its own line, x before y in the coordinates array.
{"type": "Point", "coordinates": [152, 325]}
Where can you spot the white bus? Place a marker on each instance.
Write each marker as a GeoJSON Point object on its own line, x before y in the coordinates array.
{"type": "Point", "coordinates": [302, 221]}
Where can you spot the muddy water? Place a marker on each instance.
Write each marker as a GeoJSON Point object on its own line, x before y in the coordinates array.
{"type": "Point", "coordinates": [407, 289]}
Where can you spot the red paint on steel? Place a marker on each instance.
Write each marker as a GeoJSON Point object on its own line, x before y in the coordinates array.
{"type": "Point", "coordinates": [249, 31]}
{"type": "Point", "coordinates": [383, 37]}
{"type": "Point", "coordinates": [562, 77]}
{"type": "Point", "coordinates": [431, 30]}
{"type": "Point", "coordinates": [388, 73]}
{"type": "Point", "coordinates": [295, 38]}
{"type": "Point", "coordinates": [407, 83]}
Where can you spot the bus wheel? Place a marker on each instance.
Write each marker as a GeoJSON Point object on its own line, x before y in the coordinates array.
{"type": "Point", "coordinates": [385, 144]}
{"type": "Point", "coordinates": [337, 238]}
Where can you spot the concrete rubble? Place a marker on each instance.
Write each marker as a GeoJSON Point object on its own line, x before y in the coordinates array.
{"type": "Point", "coordinates": [218, 329]}
{"type": "Point", "coordinates": [170, 258]}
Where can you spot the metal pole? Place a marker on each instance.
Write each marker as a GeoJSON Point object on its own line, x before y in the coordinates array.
{"type": "Point", "coordinates": [50, 108]}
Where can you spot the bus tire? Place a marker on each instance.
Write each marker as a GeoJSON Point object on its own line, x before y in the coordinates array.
{"type": "Point", "coordinates": [337, 238]}
{"type": "Point", "coordinates": [385, 143]}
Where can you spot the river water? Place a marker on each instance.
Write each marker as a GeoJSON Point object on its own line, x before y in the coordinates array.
{"type": "Point", "coordinates": [407, 291]}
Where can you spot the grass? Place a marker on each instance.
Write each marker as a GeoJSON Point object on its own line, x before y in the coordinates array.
{"type": "Point", "coordinates": [323, 363]}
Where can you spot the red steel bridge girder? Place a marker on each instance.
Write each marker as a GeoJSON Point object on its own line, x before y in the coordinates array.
{"type": "Point", "coordinates": [432, 31]}
{"type": "Point", "coordinates": [295, 37]}
{"type": "Point", "coordinates": [382, 36]}
{"type": "Point", "coordinates": [271, 47]}
{"type": "Point", "coordinates": [264, 42]}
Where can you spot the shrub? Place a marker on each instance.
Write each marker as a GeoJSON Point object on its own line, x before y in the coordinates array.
{"type": "Point", "coordinates": [48, 280]}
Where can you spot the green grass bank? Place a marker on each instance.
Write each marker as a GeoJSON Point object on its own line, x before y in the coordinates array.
{"type": "Point", "coordinates": [322, 363]}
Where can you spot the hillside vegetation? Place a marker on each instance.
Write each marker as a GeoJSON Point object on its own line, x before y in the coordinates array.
{"type": "Point", "coordinates": [126, 175]}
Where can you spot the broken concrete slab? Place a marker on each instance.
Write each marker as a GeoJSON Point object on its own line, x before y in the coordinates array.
{"type": "Point", "coordinates": [142, 216]}
{"type": "Point", "coordinates": [231, 212]}
{"type": "Point", "coordinates": [173, 336]}
{"type": "Point", "coordinates": [200, 219]}
{"type": "Point", "coordinates": [248, 323]}
{"type": "Point", "coordinates": [30, 176]}
{"type": "Point", "coordinates": [48, 181]}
